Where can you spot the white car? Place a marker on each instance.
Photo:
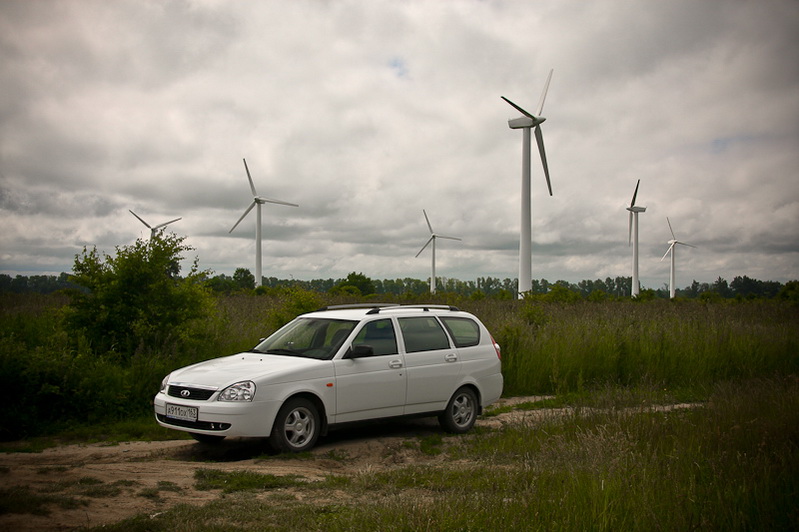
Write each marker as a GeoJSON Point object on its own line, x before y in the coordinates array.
{"type": "Point", "coordinates": [339, 365]}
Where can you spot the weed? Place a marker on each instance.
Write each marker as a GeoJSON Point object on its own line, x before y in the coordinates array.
{"type": "Point", "coordinates": [232, 481]}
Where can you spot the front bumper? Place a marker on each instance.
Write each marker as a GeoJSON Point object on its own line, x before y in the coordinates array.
{"type": "Point", "coordinates": [236, 418]}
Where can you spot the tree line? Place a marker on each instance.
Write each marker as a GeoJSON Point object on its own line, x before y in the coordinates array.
{"type": "Point", "coordinates": [360, 285]}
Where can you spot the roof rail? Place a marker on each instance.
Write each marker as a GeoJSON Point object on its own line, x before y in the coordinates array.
{"type": "Point", "coordinates": [425, 308]}
{"type": "Point", "coordinates": [358, 305]}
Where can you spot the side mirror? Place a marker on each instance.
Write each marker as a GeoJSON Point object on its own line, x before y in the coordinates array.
{"type": "Point", "coordinates": [359, 351]}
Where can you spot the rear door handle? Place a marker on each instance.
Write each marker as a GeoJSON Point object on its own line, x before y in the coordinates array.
{"type": "Point", "coordinates": [395, 364]}
{"type": "Point", "coordinates": [451, 357]}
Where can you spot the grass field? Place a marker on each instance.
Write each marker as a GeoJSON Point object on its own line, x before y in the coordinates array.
{"type": "Point", "coordinates": [730, 464]}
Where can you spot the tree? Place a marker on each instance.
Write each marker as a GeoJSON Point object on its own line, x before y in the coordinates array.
{"type": "Point", "coordinates": [136, 299]}
{"type": "Point", "coordinates": [244, 279]}
{"type": "Point", "coordinates": [364, 285]}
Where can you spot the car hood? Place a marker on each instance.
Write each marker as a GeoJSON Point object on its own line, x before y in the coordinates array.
{"type": "Point", "coordinates": [257, 367]}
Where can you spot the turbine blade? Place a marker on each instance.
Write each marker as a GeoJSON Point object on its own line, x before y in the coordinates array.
{"type": "Point", "coordinates": [670, 229]}
{"type": "Point", "coordinates": [522, 111]}
{"type": "Point", "coordinates": [252, 185]}
{"type": "Point", "coordinates": [540, 140]}
{"type": "Point", "coordinates": [278, 202]}
{"type": "Point", "coordinates": [449, 237]}
{"type": "Point", "coordinates": [425, 245]}
{"type": "Point", "coordinates": [428, 221]}
{"type": "Point", "coordinates": [242, 216]}
{"type": "Point", "coordinates": [544, 94]}
{"type": "Point", "coordinates": [139, 217]}
{"type": "Point", "coordinates": [166, 223]}
{"type": "Point", "coordinates": [632, 203]}
{"type": "Point", "coordinates": [684, 244]}
{"type": "Point", "coordinates": [667, 253]}
{"type": "Point", "coordinates": [630, 229]}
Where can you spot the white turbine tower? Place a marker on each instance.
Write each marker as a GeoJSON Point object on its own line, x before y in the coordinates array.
{"type": "Point", "coordinates": [432, 239]}
{"type": "Point", "coordinates": [632, 237]}
{"type": "Point", "coordinates": [672, 244]}
{"type": "Point", "coordinates": [527, 123]}
{"type": "Point", "coordinates": [257, 201]}
{"type": "Point", "coordinates": [153, 230]}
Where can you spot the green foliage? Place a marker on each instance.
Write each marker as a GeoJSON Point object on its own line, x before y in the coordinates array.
{"type": "Point", "coordinates": [355, 284]}
{"type": "Point", "coordinates": [136, 300]}
{"type": "Point", "coordinates": [57, 378]}
{"type": "Point", "coordinates": [243, 279]}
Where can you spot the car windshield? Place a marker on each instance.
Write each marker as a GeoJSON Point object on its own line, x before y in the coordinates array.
{"type": "Point", "coordinates": [308, 338]}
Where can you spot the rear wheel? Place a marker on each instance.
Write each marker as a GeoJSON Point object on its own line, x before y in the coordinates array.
{"type": "Point", "coordinates": [296, 427]}
{"type": "Point", "coordinates": [461, 412]}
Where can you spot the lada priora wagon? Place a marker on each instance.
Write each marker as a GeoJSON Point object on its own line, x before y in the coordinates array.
{"type": "Point", "coordinates": [338, 365]}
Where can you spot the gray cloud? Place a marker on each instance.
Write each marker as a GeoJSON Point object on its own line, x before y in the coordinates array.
{"type": "Point", "coordinates": [365, 113]}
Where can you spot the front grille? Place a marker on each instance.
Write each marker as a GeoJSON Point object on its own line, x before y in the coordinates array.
{"type": "Point", "coordinates": [195, 394]}
{"type": "Point", "coordinates": [201, 425]}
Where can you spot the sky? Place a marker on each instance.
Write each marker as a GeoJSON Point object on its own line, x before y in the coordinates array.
{"type": "Point", "coordinates": [365, 113]}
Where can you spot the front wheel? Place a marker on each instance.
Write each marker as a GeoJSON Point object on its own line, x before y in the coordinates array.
{"type": "Point", "coordinates": [296, 427]}
{"type": "Point", "coordinates": [461, 412]}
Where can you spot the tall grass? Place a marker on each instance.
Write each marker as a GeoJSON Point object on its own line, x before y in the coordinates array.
{"type": "Point", "coordinates": [56, 379]}
{"type": "Point", "coordinates": [559, 348]}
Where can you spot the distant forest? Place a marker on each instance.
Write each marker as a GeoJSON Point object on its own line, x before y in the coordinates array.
{"type": "Point", "coordinates": [358, 284]}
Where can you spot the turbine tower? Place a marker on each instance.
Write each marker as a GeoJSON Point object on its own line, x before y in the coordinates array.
{"type": "Point", "coordinates": [432, 239]}
{"type": "Point", "coordinates": [153, 230]}
{"type": "Point", "coordinates": [632, 237]}
{"type": "Point", "coordinates": [672, 243]}
{"type": "Point", "coordinates": [257, 201]}
{"type": "Point", "coordinates": [527, 123]}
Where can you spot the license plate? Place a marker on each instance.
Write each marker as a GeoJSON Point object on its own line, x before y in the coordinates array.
{"type": "Point", "coordinates": [184, 413]}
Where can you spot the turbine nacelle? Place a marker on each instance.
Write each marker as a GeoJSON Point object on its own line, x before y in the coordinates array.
{"type": "Point", "coordinates": [153, 230]}
{"type": "Point", "coordinates": [524, 121]}
{"type": "Point", "coordinates": [636, 209]}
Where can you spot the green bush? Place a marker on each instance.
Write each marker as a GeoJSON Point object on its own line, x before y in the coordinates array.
{"type": "Point", "coordinates": [136, 301]}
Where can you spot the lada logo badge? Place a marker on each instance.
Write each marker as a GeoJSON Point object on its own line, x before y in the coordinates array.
{"type": "Point", "coordinates": [185, 393]}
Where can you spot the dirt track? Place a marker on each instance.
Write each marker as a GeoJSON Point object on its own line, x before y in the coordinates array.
{"type": "Point", "coordinates": [114, 482]}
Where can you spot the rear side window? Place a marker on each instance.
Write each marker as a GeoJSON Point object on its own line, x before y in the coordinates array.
{"type": "Point", "coordinates": [464, 332]}
{"type": "Point", "coordinates": [422, 334]}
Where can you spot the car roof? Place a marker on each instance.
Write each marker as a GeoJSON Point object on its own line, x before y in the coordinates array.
{"type": "Point", "coordinates": [359, 311]}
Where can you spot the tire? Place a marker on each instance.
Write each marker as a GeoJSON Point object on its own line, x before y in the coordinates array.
{"type": "Point", "coordinates": [296, 427]}
{"type": "Point", "coordinates": [207, 438]}
{"type": "Point", "coordinates": [461, 412]}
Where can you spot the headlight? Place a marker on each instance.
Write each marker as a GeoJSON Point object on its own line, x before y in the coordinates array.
{"type": "Point", "coordinates": [241, 391]}
{"type": "Point", "coordinates": [164, 383]}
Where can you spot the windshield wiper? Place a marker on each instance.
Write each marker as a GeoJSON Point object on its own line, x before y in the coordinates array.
{"type": "Point", "coordinates": [288, 352]}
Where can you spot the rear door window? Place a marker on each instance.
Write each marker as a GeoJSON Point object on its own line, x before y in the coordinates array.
{"type": "Point", "coordinates": [464, 332]}
{"type": "Point", "coordinates": [422, 334]}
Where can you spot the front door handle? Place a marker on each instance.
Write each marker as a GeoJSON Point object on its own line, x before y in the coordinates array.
{"type": "Point", "coordinates": [451, 357]}
{"type": "Point", "coordinates": [395, 364]}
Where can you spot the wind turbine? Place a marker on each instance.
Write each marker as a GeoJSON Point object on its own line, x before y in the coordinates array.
{"type": "Point", "coordinates": [257, 201]}
{"type": "Point", "coordinates": [153, 230]}
{"type": "Point", "coordinates": [432, 239]}
{"type": "Point", "coordinates": [672, 243]}
{"type": "Point", "coordinates": [632, 232]}
{"type": "Point", "coordinates": [527, 123]}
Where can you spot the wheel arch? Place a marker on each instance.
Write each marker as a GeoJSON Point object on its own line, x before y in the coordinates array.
{"type": "Point", "coordinates": [473, 387]}
{"type": "Point", "coordinates": [317, 402]}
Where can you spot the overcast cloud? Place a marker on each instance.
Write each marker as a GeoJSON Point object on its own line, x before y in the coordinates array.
{"type": "Point", "coordinates": [366, 112]}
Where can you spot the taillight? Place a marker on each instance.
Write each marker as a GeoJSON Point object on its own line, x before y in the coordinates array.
{"type": "Point", "coordinates": [497, 348]}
